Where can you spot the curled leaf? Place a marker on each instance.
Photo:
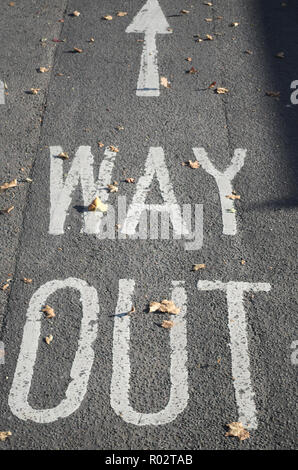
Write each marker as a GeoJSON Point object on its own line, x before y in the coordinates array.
{"type": "Point", "coordinates": [236, 429]}
{"type": "Point", "coordinates": [49, 311]}
{"type": "Point", "coordinates": [221, 91]}
{"type": "Point", "coordinates": [97, 204]}
{"type": "Point", "coordinates": [197, 267]}
{"type": "Point", "coordinates": [167, 324]}
{"type": "Point", "coordinates": [108, 17]}
{"type": "Point", "coordinates": [164, 82]}
{"type": "Point", "coordinates": [27, 280]}
{"type": "Point", "coordinates": [112, 188]}
{"type": "Point", "coordinates": [63, 155]}
{"type": "Point", "coordinates": [49, 339]}
{"type": "Point", "coordinates": [5, 434]}
{"type": "Point", "coordinates": [165, 306]}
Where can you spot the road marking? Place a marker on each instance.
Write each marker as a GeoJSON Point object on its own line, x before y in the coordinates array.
{"type": "Point", "coordinates": [81, 171]}
{"type": "Point", "coordinates": [294, 355]}
{"type": "Point", "coordinates": [83, 361]}
{"type": "Point", "coordinates": [239, 344]}
{"type": "Point", "coordinates": [150, 21]}
{"type": "Point", "coordinates": [120, 384]}
{"type": "Point", "coordinates": [2, 93]}
{"type": "Point", "coordinates": [224, 184]}
{"type": "Point", "coordinates": [155, 166]}
{"type": "Point", "coordinates": [294, 94]}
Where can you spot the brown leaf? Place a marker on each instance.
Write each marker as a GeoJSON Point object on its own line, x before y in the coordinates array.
{"type": "Point", "coordinates": [49, 311]}
{"type": "Point", "coordinates": [5, 434]}
{"type": "Point", "coordinates": [197, 267]}
{"type": "Point", "coordinates": [91, 40]}
{"type": "Point", "coordinates": [100, 144]}
{"type": "Point", "coordinates": [164, 82]}
{"type": "Point", "coordinates": [248, 52]}
{"type": "Point", "coordinates": [165, 306]}
{"type": "Point", "coordinates": [233, 196]}
{"type": "Point", "coordinates": [212, 85]}
{"type": "Point", "coordinates": [34, 91]}
{"type": "Point", "coordinates": [97, 204]}
{"type": "Point", "coordinates": [63, 155]}
{"type": "Point", "coordinates": [49, 339]}
{"type": "Point", "coordinates": [234, 24]}
{"type": "Point", "coordinates": [59, 74]}
{"type": "Point", "coordinates": [76, 49]}
{"type": "Point", "coordinates": [184, 12]}
{"type": "Point", "coordinates": [112, 188]}
{"type": "Point", "coordinates": [208, 20]}
{"type": "Point", "coordinates": [192, 70]}
{"type": "Point", "coordinates": [120, 128]}
{"type": "Point", "coordinates": [167, 324]}
{"type": "Point", "coordinates": [5, 286]}
{"type": "Point", "coordinates": [113, 149]}
{"type": "Point", "coordinates": [237, 430]}
{"type": "Point", "coordinates": [243, 262]}
{"type": "Point", "coordinates": [108, 17]}
{"type": "Point", "coordinates": [209, 37]}
{"type": "Point", "coordinates": [189, 59]}
{"type": "Point", "coordinates": [76, 13]}
{"type": "Point", "coordinates": [27, 280]}
{"type": "Point", "coordinates": [132, 310]}
{"type": "Point", "coordinates": [209, 4]}
{"type": "Point", "coordinates": [274, 94]}
{"type": "Point", "coordinates": [191, 164]}
{"type": "Point", "coordinates": [221, 91]}
{"type": "Point", "coordinates": [121, 13]}
{"type": "Point", "coordinates": [11, 184]}
{"type": "Point", "coordinates": [130, 180]}
{"type": "Point", "coordinates": [280, 55]}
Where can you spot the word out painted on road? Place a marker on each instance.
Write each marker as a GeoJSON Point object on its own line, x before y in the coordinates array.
{"type": "Point", "coordinates": [81, 173]}
{"type": "Point", "coordinates": [2, 93]}
{"type": "Point", "coordinates": [121, 374]}
{"type": "Point", "coordinates": [150, 21]}
{"type": "Point", "coordinates": [294, 94]}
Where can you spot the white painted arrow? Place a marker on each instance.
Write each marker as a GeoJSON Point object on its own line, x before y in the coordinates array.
{"type": "Point", "coordinates": [151, 21]}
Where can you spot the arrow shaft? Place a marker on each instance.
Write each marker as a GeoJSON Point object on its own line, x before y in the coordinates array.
{"type": "Point", "coordinates": [148, 82]}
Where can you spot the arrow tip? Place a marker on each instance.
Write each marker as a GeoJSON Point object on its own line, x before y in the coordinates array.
{"type": "Point", "coordinates": [150, 18]}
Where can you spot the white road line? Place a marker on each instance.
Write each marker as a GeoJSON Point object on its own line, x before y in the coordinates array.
{"type": "Point", "coordinates": [151, 21]}
{"type": "Point", "coordinates": [155, 166]}
{"type": "Point", "coordinates": [81, 367]}
{"type": "Point", "coordinates": [81, 171]}
{"type": "Point", "coordinates": [224, 184]}
{"type": "Point", "coordinates": [121, 376]}
{"type": "Point", "coordinates": [2, 93]}
{"type": "Point", "coordinates": [239, 344]}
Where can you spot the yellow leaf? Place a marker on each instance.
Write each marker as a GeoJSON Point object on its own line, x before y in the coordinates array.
{"type": "Point", "coordinates": [167, 324]}
{"type": "Point", "coordinates": [237, 430]}
{"type": "Point", "coordinates": [43, 69]}
{"type": "Point", "coordinates": [97, 204]}
{"type": "Point", "coordinates": [197, 267]}
{"type": "Point", "coordinates": [5, 434]}
{"type": "Point", "coordinates": [122, 13]}
{"type": "Point", "coordinates": [208, 37]}
{"type": "Point", "coordinates": [5, 186]}
{"type": "Point", "coordinates": [49, 311]}
{"type": "Point", "coordinates": [164, 82]}
{"type": "Point", "coordinates": [49, 339]}
{"type": "Point", "coordinates": [108, 17]}
{"type": "Point", "coordinates": [63, 155]}
{"type": "Point", "coordinates": [221, 91]}
{"type": "Point", "coordinates": [233, 196]}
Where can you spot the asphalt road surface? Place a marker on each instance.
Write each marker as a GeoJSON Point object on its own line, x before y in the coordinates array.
{"type": "Point", "coordinates": [135, 101]}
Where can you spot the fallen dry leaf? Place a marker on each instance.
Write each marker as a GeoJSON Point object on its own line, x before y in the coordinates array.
{"type": "Point", "coordinates": [34, 91]}
{"type": "Point", "coordinates": [248, 52]}
{"type": "Point", "coordinates": [243, 262]}
{"type": "Point", "coordinates": [119, 128]}
{"type": "Point", "coordinates": [91, 40]}
{"type": "Point", "coordinates": [167, 324]}
{"type": "Point", "coordinates": [5, 434]}
{"type": "Point", "coordinates": [132, 310]}
{"type": "Point", "coordinates": [113, 149]}
{"type": "Point", "coordinates": [191, 164]}
{"type": "Point", "coordinates": [184, 12]}
{"type": "Point", "coordinates": [221, 91]}
{"type": "Point", "coordinates": [280, 55]}
{"type": "Point", "coordinates": [27, 280]}
{"type": "Point", "coordinates": [189, 59]}
{"type": "Point", "coordinates": [63, 155]}
{"type": "Point", "coordinates": [76, 13]}
{"type": "Point", "coordinates": [274, 94]}
{"type": "Point", "coordinates": [237, 430]}
{"type": "Point", "coordinates": [43, 69]}
{"type": "Point", "coordinates": [164, 82]}
{"type": "Point", "coordinates": [76, 49]}
{"type": "Point", "coordinates": [108, 17]}
{"type": "Point", "coordinates": [121, 13]}
{"type": "Point", "coordinates": [112, 188]}
{"type": "Point", "coordinates": [49, 339]}
{"type": "Point", "coordinates": [165, 306]}
{"type": "Point", "coordinates": [5, 286]}
{"type": "Point", "coordinates": [208, 37]}
{"type": "Point", "coordinates": [208, 20]}
{"type": "Point", "coordinates": [129, 180]}
{"type": "Point", "coordinates": [235, 24]}
{"type": "Point", "coordinates": [97, 204]}
{"type": "Point", "coordinates": [233, 196]}
{"type": "Point", "coordinates": [11, 184]}
{"type": "Point", "coordinates": [59, 74]}
{"type": "Point", "coordinates": [7, 211]}
{"type": "Point", "coordinates": [100, 144]}
{"type": "Point", "coordinates": [197, 267]}
{"type": "Point", "coordinates": [192, 70]}
{"type": "Point", "coordinates": [49, 311]}
{"type": "Point", "coordinates": [209, 4]}
{"type": "Point", "coordinates": [212, 85]}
